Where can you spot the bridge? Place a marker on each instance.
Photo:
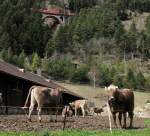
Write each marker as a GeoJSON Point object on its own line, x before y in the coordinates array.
{"type": "Point", "coordinates": [57, 13]}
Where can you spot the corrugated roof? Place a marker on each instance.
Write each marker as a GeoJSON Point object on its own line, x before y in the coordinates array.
{"type": "Point", "coordinates": [28, 76]}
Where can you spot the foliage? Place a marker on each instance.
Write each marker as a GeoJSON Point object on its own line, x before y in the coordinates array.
{"type": "Point", "coordinates": [130, 80]}
{"type": "Point", "coordinates": [35, 62]}
{"type": "Point", "coordinates": [105, 78]}
{"type": "Point", "coordinates": [22, 29]}
{"type": "Point", "coordinates": [140, 80]}
{"type": "Point", "coordinates": [76, 6]}
{"type": "Point", "coordinates": [20, 60]}
{"type": "Point", "coordinates": [80, 75]}
{"type": "Point", "coordinates": [94, 36]}
{"type": "Point", "coordinates": [59, 69]}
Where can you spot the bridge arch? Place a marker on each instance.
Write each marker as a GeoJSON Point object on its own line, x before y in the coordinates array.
{"type": "Point", "coordinates": [56, 18]}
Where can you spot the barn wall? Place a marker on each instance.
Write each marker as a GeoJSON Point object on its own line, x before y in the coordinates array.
{"type": "Point", "coordinates": [14, 90]}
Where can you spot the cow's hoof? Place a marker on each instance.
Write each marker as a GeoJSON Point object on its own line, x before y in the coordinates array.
{"type": "Point", "coordinates": [50, 120]}
{"type": "Point", "coordinates": [29, 120]}
{"type": "Point", "coordinates": [124, 126]}
{"type": "Point", "coordinates": [130, 126]}
{"type": "Point", "coordinates": [55, 121]}
{"type": "Point", "coordinates": [40, 121]}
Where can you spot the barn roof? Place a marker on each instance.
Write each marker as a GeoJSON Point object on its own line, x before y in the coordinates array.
{"type": "Point", "coordinates": [12, 70]}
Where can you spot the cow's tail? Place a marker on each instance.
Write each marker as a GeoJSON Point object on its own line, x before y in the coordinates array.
{"type": "Point", "coordinates": [27, 99]}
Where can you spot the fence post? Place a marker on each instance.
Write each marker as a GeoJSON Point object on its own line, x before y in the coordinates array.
{"type": "Point", "coordinates": [108, 109]}
{"type": "Point", "coordinates": [64, 121]}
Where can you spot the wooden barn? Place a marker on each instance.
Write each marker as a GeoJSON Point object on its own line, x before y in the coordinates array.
{"type": "Point", "coordinates": [15, 84]}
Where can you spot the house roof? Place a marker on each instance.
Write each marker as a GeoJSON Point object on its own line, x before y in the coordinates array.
{"type": "Point", "coordinates": [12, 70]}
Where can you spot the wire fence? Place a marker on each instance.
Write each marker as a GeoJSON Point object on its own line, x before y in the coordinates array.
{"type": "Point", "coordinates": [18, 109]}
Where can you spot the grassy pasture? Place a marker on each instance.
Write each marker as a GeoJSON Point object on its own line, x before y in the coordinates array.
{"type": "Point", "coordinates": [98, 94]}
{"type": "Point", "coordinates": [143, 132]}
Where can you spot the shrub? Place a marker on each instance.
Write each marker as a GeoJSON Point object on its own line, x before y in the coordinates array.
{"type": "Point", "coordinates": [118, 80]}
{"type": "Point", "coordinates": [60, 69]}
{"type": "Point", "coordinates": [105, 78]}
{"type": "Point", "coordinates": [130, 79]}
{"type": "Point", "coordinates": [140, 80]}
{"type": "Point", "coordinates": [80, 75]}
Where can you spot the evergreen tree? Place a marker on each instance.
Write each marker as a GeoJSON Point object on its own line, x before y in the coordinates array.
{"type": "Point", "coordinates": [35, 62]}
{"type": "Point", "coordinates": [22, 29]}
{"type": "Point", "coordinates": [130, 79]}
{"type": "Point", "coordinates": [27, 65]}
{"type": "Point", "coordinates": [80, 75]}
{"type": "Point", "coordinates": [140, 79]}
{"type": "Point", "coordinates": [20, 60]}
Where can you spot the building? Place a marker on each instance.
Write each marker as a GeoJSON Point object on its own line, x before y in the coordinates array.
{"type": "Point", "coordinates": [15, 84]}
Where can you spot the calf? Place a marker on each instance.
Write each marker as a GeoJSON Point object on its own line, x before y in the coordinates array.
{"type": "Point", "coordinates": [80, 104]}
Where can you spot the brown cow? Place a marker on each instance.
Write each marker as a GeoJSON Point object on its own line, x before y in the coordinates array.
{"type": "Point", "coordinates": [42, 95]}
{"type": "Point", "coordinates": [121, 101]}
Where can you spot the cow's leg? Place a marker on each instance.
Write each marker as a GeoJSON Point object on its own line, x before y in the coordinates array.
{"type": "Point", "coordinates": [32, 104]}
{"type": "Point", "coordinates": [39, 109]}
{"type": "Point", "coordinates": [83, 111]}
{"type": "Point", "coordinates": [56, 113]}
{"type": "Point", "coordinates": [124, 116]}
{"type": "Point", "coordinates": [131, 118]}
{"type": "Point", "coordinates": [30, 111]}
{"type": "Point", "coordinates": [114, 118]}
{"type": "Point", "coordinates": [50, 118]}
{"type": "Point", "coordinates": [120, 118]}
{"type": "Point", "coordinates": [75, 111]}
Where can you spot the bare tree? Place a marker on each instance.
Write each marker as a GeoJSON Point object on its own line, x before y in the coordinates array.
{"type": "Point", "coordinates": [94, 75]}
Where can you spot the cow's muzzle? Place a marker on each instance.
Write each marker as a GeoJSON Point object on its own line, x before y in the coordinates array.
{"type": "Point", "coordinates": [111, 100]}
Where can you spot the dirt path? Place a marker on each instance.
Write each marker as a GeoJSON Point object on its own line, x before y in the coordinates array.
{"type": "Point", "coordinates": [20, 123]}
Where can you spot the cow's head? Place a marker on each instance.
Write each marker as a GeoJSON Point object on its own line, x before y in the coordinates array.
{"type": "Point", "coordinates": [72, 104]}
{"type": "Point", "coordinates": [111, 91]}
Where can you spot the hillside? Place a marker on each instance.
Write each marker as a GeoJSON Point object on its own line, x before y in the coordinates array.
{"type": "Point", "coordinates": [105, 49]}
{"type": "Point", "coordinates": [139, 20]}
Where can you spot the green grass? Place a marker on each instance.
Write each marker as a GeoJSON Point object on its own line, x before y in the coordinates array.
{"type": "Point", "coordinates": [147, 122]}
{"type": "Point", "coordinates": [89, 92]}
{"type": "Point", "coordinates": [143, 132]}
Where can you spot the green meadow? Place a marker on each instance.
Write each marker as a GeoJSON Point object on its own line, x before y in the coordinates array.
{"type": "Point", "coordinates": [138, 132]}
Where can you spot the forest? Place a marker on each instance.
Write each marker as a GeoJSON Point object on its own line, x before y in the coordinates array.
{"type": "Point", "coordinates": [92, 47]}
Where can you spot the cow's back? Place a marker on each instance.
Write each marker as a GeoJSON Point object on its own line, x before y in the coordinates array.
{"type": "Point", "coordinates": [44, 95]}
{"type": "Point", "coordinates": [80, 103]}
{"type": "Point", "coordinates": [128, 99]}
